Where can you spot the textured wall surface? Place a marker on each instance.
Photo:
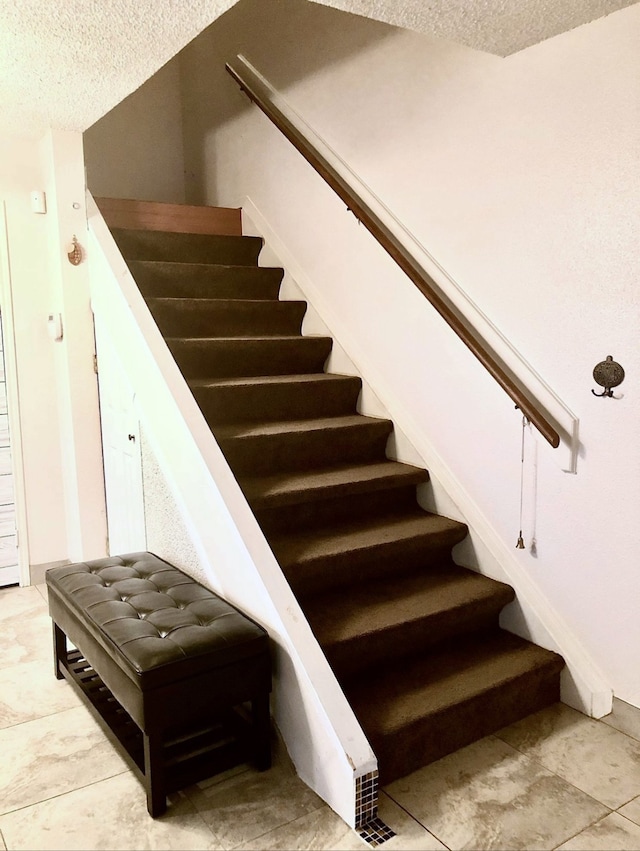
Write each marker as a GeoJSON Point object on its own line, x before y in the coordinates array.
{"type": "Point", "coordinates": [167, 534]}
{"type": "Point", "coordinates": [521, 176]}
{"type": "Point", "coordinates": [65, 65]}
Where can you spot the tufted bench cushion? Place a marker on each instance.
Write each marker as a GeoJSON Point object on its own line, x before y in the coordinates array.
{"type": "Point", "coordinates": [160, 624]}
{"type": "Point", "coordinates": [173, 654]}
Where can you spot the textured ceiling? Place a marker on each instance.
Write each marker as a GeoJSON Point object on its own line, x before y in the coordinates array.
{"type": "Point", "coordinates": [65, 63]}
{"type": "Point", "coordinates": [495, 26]}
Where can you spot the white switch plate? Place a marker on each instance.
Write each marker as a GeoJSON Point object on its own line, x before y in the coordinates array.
{"type": "Point", "coordinates": [38, 201]}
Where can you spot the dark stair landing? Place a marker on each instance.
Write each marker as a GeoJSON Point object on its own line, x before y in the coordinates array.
{"type": "Point", "coordinates": [412, 637]}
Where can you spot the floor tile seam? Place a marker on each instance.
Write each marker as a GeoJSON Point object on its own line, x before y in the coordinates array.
{"type": "Point", "coordinates": [59, 712]}
{"type": "Point", "coordinates": [38, 718]}
{"type": "Point", "coordinates": [587, 827]}
{"type": "Point", "coordinates": [556, 774]}
{"type": "Point", "coordinates": [63, 794]}
{"type": "Point", "coordinates": [197, 812]}
{"type": "Point", "coordinates": [51, 715]}
{"type": "Point", "coordinates": [415, 819]}
{"type": "Point", "coordinates": [239, 846]}
{"type": "Point", "coordinates": [619, 807]}
{"type": "Point", "coordinates": [612, 726]}
{"type": "Point", "coordinates": [626, 818]}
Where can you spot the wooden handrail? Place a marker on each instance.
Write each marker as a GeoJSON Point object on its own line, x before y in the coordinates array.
{"type": "Point", "coordinates": [257, 90]}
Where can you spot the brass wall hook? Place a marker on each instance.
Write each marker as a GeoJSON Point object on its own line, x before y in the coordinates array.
{"type": "Point", "coordinates": [607, 374]}
{"type": "Point", "coordinates": [74, 252]}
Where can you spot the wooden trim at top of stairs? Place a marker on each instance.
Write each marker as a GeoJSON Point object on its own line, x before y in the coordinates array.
{"type": "Point", "coordinates": [178, 218]}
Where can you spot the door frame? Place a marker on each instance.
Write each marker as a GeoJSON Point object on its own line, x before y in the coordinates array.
{"type": "Point", "coordinates": [13, 401]}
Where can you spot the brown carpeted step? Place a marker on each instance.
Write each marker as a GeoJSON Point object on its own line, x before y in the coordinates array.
{"type": "Point", "coordinates": [264, 448]}
{"type": "Point", "coordinates": [416, 712]}
{"type": "Point", "coordinates": [216, 317]}
{"type": "Point", "coordinates": [366, 626]}
{"type": "Point", "coordinates": [246, 356]}
{"type": "Point", "coordinates": [187, 247]}
{"type": "Point", "coordinates": [413, 638]}
{"type": "Point", "coordinates": [204, 280]}
{"type": "Point", "coordinates": [318, 560]}
{"type": "Point", "coordinates": [326, 509]}
{"type": "Point", "coordinates": [282, 490]}
{"type": "Point", "coordinates": [276, 397]}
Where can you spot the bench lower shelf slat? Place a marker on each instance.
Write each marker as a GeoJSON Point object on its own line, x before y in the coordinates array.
{"type": "Point", "coordinates": [191, 756]}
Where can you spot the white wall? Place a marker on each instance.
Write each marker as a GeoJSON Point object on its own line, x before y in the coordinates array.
{"type": "Point", "coordinates": [59, 430]}
{"type": "Point", "coordinates": [135, 150]}
{"type": "Point", "coordinates": [520, 176]}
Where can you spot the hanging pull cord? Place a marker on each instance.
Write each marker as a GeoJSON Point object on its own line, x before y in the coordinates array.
{"type": "Point", "coordinates": [520, 542]}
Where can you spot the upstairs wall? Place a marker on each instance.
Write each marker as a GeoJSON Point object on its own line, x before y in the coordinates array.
{"type": "Point", "coordinates": [520, 176]}
{"type": "Point", "coordinates": [135, 150]}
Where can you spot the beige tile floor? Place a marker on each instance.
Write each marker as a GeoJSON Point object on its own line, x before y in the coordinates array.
{"type": "Point", "coordinates": [556, 780]}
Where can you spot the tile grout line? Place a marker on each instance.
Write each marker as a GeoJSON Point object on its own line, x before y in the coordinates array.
{"type": "Point", "coordinates": [416, 820]}
{"type": "Point", "coordinates": [63, 794]}
{"type": "Point", "coordinates": [239, 846]}
{"type": "Point", "coordinates": [559, 776]}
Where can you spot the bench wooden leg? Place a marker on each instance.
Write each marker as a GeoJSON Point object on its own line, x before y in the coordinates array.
{"type": "Point", "coordinates": [261, 719]}
{"type": "Point", "coordinates": [59, 650]}
{"type": "Point", "coordinates": [154, 776]}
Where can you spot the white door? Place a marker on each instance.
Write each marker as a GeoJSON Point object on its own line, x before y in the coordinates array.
{"type": "Point", "coordinates": [14, 560]}
{"type": "Point", "coordinates": [121, 452]}
{"type": "Point", "coordinates": [9, 568]}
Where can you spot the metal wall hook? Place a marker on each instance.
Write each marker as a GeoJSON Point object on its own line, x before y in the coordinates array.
{"type": "Point", "coordinates": [74, 252]}
{"type": "Point", "coordinates": [607, 374]}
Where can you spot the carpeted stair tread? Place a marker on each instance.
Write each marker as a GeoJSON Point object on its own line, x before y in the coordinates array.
{"type": "Point", "coordinates": [420, 709]}
{"type": "Point", "coordinates": [239, 431]}
{"type": "Point", "coordinates": [276, 397]}
{"type": "Point", "coordinates": [187, 247]}
{"type": "Point", "coordinates": [413, 638]}
{"type": "Point", "coordinates": [215, 357]}
{"type": "Point", "coordinates": [319, 558]}
{"type": "Point", "coordinates": [437, 601]}
{"type": "Point", "coordinates": [266, 447]}
{"type": "Point", "coordinates": [284, 489]}
{"type": "Point", "coordinates": [158, 278]}
{"type": "Point", "coordinates": [212, 317]}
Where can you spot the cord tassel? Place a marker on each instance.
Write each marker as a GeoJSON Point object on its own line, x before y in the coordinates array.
{"type": "Point", "coordinates": [520, 542]}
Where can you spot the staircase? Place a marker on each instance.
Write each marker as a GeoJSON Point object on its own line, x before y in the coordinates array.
{"type": "Point", "coordinates": [412, 637]}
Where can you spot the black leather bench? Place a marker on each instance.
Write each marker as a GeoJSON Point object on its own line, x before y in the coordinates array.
{"type": "Point", "coordinates": [175, 675]}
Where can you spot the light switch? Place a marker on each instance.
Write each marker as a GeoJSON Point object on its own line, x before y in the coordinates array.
{"type": "Point", "coordinates": [39, 201]}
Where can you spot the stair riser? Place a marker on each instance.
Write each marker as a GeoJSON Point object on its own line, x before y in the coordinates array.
{"type": "Point", "coordinates": [189, 280]}
{"type": "Point", "coordinates": [351, 506]}
{"type": "Point", "coordinates": [222, 318]}
{"type": "Point", "coordinates": [391, 645]}
{"type": "Point", "coordinates": [272, 402]}
{"type": "Point", "coordinates": [234, 358]}
{"type": "Point", "coordinates": [268, 454]}
{"type": "Point", "coordinates": [187, 247]}
{"type": "Point", "coordinates": [442, 734]}
{"type": "Point", "coordinates": [338, 571]}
